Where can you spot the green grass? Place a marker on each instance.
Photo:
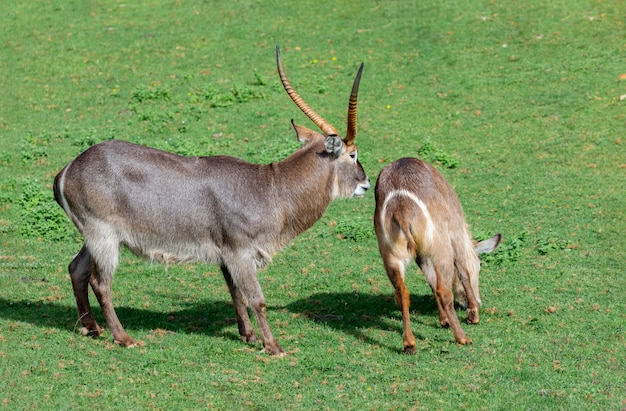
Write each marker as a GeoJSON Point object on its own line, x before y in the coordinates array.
{"type": "Point", "coordinates": [518, 103]}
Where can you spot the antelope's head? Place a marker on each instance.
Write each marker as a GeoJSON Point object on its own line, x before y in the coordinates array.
{"type": "Point", "coordinates": [350, 178]}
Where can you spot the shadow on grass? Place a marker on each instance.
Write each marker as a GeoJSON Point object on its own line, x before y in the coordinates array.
{"type": "Point", "coordinates": [208, 317]}
{"type": "Point", "coordinates": [356, 314]}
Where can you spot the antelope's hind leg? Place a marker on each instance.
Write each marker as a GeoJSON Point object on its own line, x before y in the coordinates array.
{"type": "Point", "coordinates": [81, 270]}
{"type": "Point", "coordinates": [445, 297]}
{"type": "Point", "coordinates": [395, 272]}
{"type": "Point", "coordinates": [427, 267]}
{"type": "Point", "coordinates": [102, 288]}
{"type": "Point", "coordinates": [104, 266]}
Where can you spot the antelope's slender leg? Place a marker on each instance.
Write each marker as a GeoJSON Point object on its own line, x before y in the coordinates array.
{"type": "Point", "coordinates": [81, 269]}
{"type": "Point", "coordinates": [395, 272]}
{"type": "Point", "coordinates": [446, 298]}
{"type": "Point", "coordinates": [244, 278]}
{"type": "Point", "coordinates": [427, 267]}
{"type": "Point", "coordinates": [472, 302]}
{"type": "Point", "coordinates": [243, 320]}
{"type": "Point", "coordinates": [102, 290]}
{"type": "Point", "coordinates": [104, 249]}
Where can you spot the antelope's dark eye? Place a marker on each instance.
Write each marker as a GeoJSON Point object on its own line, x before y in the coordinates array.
{"type": "Point", "coordinates": [353, 155]}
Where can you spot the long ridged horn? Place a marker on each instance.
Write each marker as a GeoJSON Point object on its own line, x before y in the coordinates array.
{"type": "Point", "coordinates": [302, 105]}
{"type": "Point", "coordinates": [351, 132]}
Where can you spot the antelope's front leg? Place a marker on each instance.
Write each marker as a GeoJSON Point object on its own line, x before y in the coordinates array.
{"type": "Point", "coordinates": [472, 313]}
{"type": "Point", "coordinates": [241, 311]}
{"type": "Point", "coordinates": [472, 302]}
{"type": "Point", "coordinates": [245, 279]}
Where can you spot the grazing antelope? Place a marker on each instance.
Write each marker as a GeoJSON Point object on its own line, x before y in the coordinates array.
{"type": "Point", "coordinates": [419, 217]}
{"type": "Point", "coordinates": [219, 210]}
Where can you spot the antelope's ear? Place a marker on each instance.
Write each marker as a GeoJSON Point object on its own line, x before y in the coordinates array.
{"type": "Point", "coordinates": [334, 145]}
{"type": "Point", "coordinates": [487, 246]}
{"type": "Point", "coordinates": [303, 134]}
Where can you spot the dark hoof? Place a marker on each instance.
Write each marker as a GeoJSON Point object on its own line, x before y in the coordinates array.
{"type": "Point", "coordinates": [252, 338]}
{"type": "Point", "coordinates": [472, 317]}
{"type": "Point", "coordinates": [274, 349]}
{"type": "Point", "coordinates": [409, 350]}
{"type": "Point", "coordinates": [125, 341]}
{"type": "Point", "coordinates": [93, 333]}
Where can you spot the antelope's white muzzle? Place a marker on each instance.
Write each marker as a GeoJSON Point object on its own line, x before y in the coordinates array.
{"type": "Point", "coordinates": [361, 189]}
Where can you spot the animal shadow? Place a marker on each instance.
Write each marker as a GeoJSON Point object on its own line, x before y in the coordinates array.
{"type": "Point", "coordinates": [210, 317]}
{"type": "Point", "coordinates": [356, 314]}
{"type": "Point", "coordinates": [351, 313]}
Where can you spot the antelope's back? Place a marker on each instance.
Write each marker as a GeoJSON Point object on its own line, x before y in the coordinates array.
{"type": "Point", "coordinates": [151, 193]}
{"type": "Point", "coordinates": [422, 181]}
{"type": "Point", "coordinates": [415, 205]}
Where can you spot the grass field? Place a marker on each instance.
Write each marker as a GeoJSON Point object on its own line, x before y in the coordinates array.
{"type": "Point", "coordinates": [521, 105]}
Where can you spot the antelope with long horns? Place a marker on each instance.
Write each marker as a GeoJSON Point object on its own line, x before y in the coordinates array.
{"type": "Point", "coordinates": [218, 210]}
{"type": "Point", "coordinates": [419, 217]}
